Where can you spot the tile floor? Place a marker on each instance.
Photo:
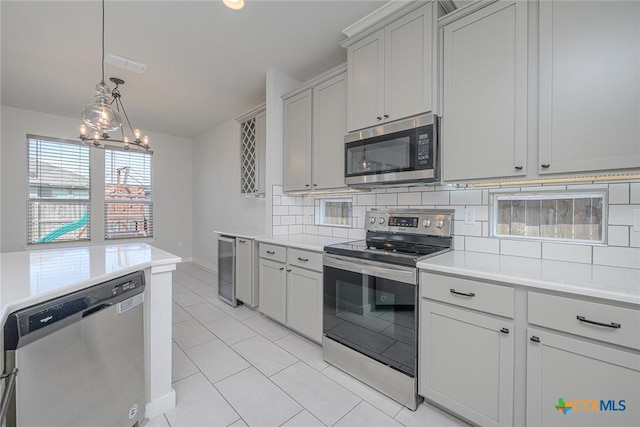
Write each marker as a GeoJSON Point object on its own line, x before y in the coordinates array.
{"type": "Point", "coordinates": [235, 367]}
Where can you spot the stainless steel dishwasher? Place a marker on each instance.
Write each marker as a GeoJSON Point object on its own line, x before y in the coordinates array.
{"type": "Point", "coordinates": [80, 357]}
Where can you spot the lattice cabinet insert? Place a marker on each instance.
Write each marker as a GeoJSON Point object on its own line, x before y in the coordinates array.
{"type": "Point", "coordinates": [252, 151]}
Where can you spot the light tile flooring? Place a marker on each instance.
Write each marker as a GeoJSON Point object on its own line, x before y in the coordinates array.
{"type": "Point", "coordinates": [235, 367]}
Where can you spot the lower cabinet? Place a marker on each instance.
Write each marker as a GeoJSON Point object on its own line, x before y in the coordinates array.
{"type": "Point", "coordinates": [466, 363]}
{"type": "Point", "coordinates": [246, 277]}
{"type": "Point", "coordinates": [575, 382]}
{"type": "Point", "coordinates": [291, 291]}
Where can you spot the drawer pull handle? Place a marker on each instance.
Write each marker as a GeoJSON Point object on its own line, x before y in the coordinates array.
{"type": "Point", "coordinates": [288, 270]}
{"type": "Point", "coordinates": [271, 252]}
{"type": "Point", "coordinates": [281, 268]}
{"type": "Point", "coordinates": [470, 294]}
{"type": "Point", "coordinates": [303, 259]}
{"type": "Point", "coordinates": [546, 166]}
{"type": "Point", "coordinates": [593, 322]}
{"type": "Point", "coordinates": [518, 168]}
{"type": "Point", "coordinates": [242, 241]}
{"type": "Point", "coordinates": [504, 330]}
{"type": "Point", "coordinates": [534, 338]}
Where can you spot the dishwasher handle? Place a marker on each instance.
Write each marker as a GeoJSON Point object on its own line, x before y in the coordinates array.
{"type": "Point", "coordinates": [95, 309]}
{"type": "Point", "coordinates": [9, 386]}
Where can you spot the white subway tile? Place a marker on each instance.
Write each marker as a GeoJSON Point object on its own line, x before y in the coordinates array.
{"type": "Point", "coordinates": [566, 252]}
{"type": "Point", "coordinates": [398, 190]}
{"type": "Point", "coordinates": [617, 257]}
{"type": "Point", "coordinates": [360, 223]}
{"type": "Point", "coordinates": [341, 232]}
{"type": "Point", "coordinates": [618, 235]}
{"type": "Point", "coordinates": [280, 230]}
{"type": "Point", "coordinates": [520, 248]}
{"type": "Point", "coordinates": [420, 188]}
{"type": "Point", "coordinates": [299, 219]}
{"type": "Point", "coordinates": [359, 211]}
{"type": "Point", "coordinates": [277, 190]}
{"type": "Point", "coordinates": [311, 229]}
{"type": "Point", "coordinates": [308, 201]}
{"type": "Point", "coordinates": [307, 220]}
{"type": "Point", "coordinates": [378, 190]}
{"type": "Point", "coordinates": [485, 228]}
{"type": "Point", "coordinates": [275, 220]}
{"type": "Point", "coordinates": [366, 200]}
{"type": "Point", "coordinates": [435, 198]}
{"type": "Point", "coordinates": [387, 199]}
{"type": "Point", "coordinates": [618, 194]}
{"type": "Point", "coordinates": [621, 214]}
{"type": "Point", "coordinates": [309, 210]}
{"type": "Point", "coordinates": [357, 233]}
{"type": "Point", "coordinates": [458, 243]}
{"type": "Point", "coordinates": [296, 210]}
{"type": "Point", "coordinates": [548, 187]}
{"type": "Point", "coordinates": [461, 229]}
{"type": "Point", "coordinates": [482, 213]}
{"type": "Point", "coordinates": [482, 244]}
{"type": "Point", "coordinates": [276, 200]}
{"type": "Point", "coordinates": [635, 192]}
{"type": "Point", "coordinates": [281, 210]}
{"type": "Point", "coordinates": [634, 239]}
{"type": "Point", "coordinates": [459, 212]}
{"type": "Point", "coordinates": [288, 200]}
{"type": "Point", "coordinates": [287, 220]}
{"type": "Point", "coordinates": [325, 231]}
{"type": "Point", "coordinates": [410, 198]}
{"type": "Point", "coordinates": [485, 197]}
{"type": "Point", "coordinates": [598, 186]}
{"type": "Point", "coordinates": [465, 197]}
{"type": "Point", "coordinates": [296, 229]}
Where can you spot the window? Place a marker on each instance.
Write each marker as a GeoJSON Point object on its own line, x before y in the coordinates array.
{"type": "Point", "coordinates": [572, 217]}
{"type": "Point", "coordinates": [333, 212]}
{"type": "Point", "coordinates": [59, 198]}
{"type": "Point", "coordinates": [128, 194]}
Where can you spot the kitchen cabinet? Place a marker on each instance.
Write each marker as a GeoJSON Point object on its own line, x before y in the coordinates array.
{"type": "Point", "coordinates": [314, 129]}
{"type": "Point", "coordinates": [484, 123]}
{"type": "Point", "coordinates": [253, 143]}
{"type": "Point", "coordinates": [391, 71]}
{"type": "Point", "coordinates": [246, 277]}
{"type": "Point", "coordinates": [478, 384]}
{"type": "Point", "coordinates": [291, 288]}
{"type": "Point", "coordinates": [589, 86]}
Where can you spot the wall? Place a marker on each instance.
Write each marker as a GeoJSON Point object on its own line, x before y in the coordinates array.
{"type": "Point", "coordinates": [294, 214]}
{"type": "Point", "coordinates": [172, 180]}
{"type": "Point", "coordinates": [218, 204]}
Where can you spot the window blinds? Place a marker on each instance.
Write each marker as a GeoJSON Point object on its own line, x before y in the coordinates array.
{"type": "Point", "coordinates": [59, 191]}
{"type": "Point", "coordinates": [128, 194]}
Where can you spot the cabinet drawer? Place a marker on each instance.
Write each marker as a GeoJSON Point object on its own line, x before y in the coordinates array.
{"type": "Point", "coordinates": [273, 252]}
{"type": "Point", "coordinates": [616, 325]}
{"type": "Point", "coordinates": [473, 294]}
{"type": "Point", "coordinates": [305, 259]}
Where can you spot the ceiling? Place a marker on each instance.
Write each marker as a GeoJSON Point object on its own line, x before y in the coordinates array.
{"type": "Point", "coordinates": [206, 63]}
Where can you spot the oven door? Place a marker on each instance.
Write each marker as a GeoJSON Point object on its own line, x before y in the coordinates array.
{"type": "Point", "coordinates": [370, 307]}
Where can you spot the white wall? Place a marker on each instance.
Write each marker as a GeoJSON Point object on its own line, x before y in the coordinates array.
{"type": "Point", "coordinates": [217, 203]}
{"type": "Point", "coordinates": [172, 181]}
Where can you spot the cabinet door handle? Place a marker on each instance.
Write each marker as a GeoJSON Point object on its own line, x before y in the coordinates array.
{"type": "Point", "coordinates": [593, 322]}
{"type": "Point", "coordinates": [271, 252]}
{"type": "Point", "coordinates": [315, 185]}
{"type": "Point", "coordinates": [518, 168]}
{"type": "Point", "coordinates": [303, 259]}
{"type": "Point", "coordinates": [281, 268]}
{"type": "Point", "coordinates": [545, 166]}
{"type": "Point", "coordinates": [378, 118]}
{"type": "Point", "coordinates": [470, 294]}
{"type": "Point", "coordinates": [306, 185]}
{"type": "Point", "coordinates": [504, 330]}
{"type": "Point", "coordinates": [242, 241]}
{"type": "Point", "coordinates": [288, 270]}
{"type": "Point", "coordinates": [386, 116]}
{"type": "Point", "coordinates": [534, 338]}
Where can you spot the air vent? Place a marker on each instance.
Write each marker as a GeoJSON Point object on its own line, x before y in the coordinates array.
{"type": "Point", "coordinates": [126, 63]}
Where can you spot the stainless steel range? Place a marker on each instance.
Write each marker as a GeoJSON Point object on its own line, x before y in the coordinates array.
{"type": "Point", "coordinates": [370, 318]}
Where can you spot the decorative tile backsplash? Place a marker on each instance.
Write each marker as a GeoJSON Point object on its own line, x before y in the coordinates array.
{"type": "Point", "coordinates": [295, 214]}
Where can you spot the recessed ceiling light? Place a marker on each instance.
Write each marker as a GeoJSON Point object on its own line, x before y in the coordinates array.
{"type": "Point", "coordinates": [234, 4]}
{"type": "Point", "coordinates": [126, 63]}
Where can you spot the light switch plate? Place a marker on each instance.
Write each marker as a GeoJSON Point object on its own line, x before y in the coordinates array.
{"type": "Point", "coordinates": [469, 216]}
{"type": "Point", "coordinates": [636, 220]}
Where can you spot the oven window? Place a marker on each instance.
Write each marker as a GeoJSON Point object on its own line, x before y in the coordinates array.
{"type": "Point", "coordinates": [374, 316]}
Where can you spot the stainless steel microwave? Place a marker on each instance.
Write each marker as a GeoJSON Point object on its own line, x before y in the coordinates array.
{"type": "Point", "coordinates": [394, 153]}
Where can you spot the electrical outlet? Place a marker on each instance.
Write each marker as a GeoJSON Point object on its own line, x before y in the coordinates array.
{"type": "Point", "coordinates": [636, 220]}
{"type": "Point", "coordinates": [469, 216]}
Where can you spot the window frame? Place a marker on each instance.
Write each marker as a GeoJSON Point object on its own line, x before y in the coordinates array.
{"type": "Point", "coordinates": [320, 211]}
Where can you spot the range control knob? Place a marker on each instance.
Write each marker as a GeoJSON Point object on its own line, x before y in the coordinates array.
{"type": "Point", "coordinates": [440, 223]}
{"type": "Point", "coordinates": [381, 220]}
{"type": "Point", "coordinates": [426, 223]}
{"type": "Point", "coordinates": [372, 220]}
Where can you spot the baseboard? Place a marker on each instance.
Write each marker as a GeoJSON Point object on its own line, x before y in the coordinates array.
{"type": "Point", "coordinates": [212, 268]}
{"type": "Point", "coordinates": [160, 405]}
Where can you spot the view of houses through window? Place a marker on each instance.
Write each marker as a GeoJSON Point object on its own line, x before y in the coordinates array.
{"type": "Point", "coordinates": [59, 192]}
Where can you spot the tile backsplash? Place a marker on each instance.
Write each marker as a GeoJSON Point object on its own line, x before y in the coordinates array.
{"type": "Point", "coordinates": [294, 214]}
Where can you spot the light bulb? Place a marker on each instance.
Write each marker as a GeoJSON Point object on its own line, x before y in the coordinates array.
{"type": "Point", "coordinates": [83, 131]}
{"type": "Point", "coordinates": [145, 141]}
{"type": "Point", "coordinates": [234, 4]}
{"type": "Point", "coordinates": [137, 134]}
{"type": "Point", "coordinates": [125, 139]}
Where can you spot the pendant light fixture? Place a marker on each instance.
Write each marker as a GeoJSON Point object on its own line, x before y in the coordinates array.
{"type": "Point", "coordinates": [100, 118]}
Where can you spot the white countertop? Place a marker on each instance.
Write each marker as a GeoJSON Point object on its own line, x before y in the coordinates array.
{"type": "Point", "coordinates": [303, 241]}
{"type": "Point", "coordinates": [243, 234]}
{"type": "Point", "coordinates": [30, 277]}
{"type": "Point", "coordinates": [612, 283]}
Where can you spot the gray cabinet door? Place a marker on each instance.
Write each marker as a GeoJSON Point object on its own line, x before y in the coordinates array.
{"type": "Point", "coordinates": [329, 128]}
{"type": "Point", "coordinates": [589, 86]}
{"type": "Point", "coordinates": [484, 125]}
{"type": "Point", "coordinates": [273, 290]}
{"type": "Point", "coordinates": [304, 302]}
{"type": "Point", "coordinates": [297, 142]}
{"type": "Point", "coordinates": [244, 271]}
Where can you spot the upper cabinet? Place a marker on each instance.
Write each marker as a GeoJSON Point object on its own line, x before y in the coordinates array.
{"type": "Point", "coordinates": [484, 124]}
{"type": "Point", "coordinates": [314, 129]}
{"type": "Point", "coordinates": [253, 141]}
{"type": "Point", "coordinates": [589, 86]}
{"type": "Point", "coordinates": [391, 71]}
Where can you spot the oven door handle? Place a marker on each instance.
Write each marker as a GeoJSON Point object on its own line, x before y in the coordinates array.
{"type": "Point", "coordinates": [372, 268]}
